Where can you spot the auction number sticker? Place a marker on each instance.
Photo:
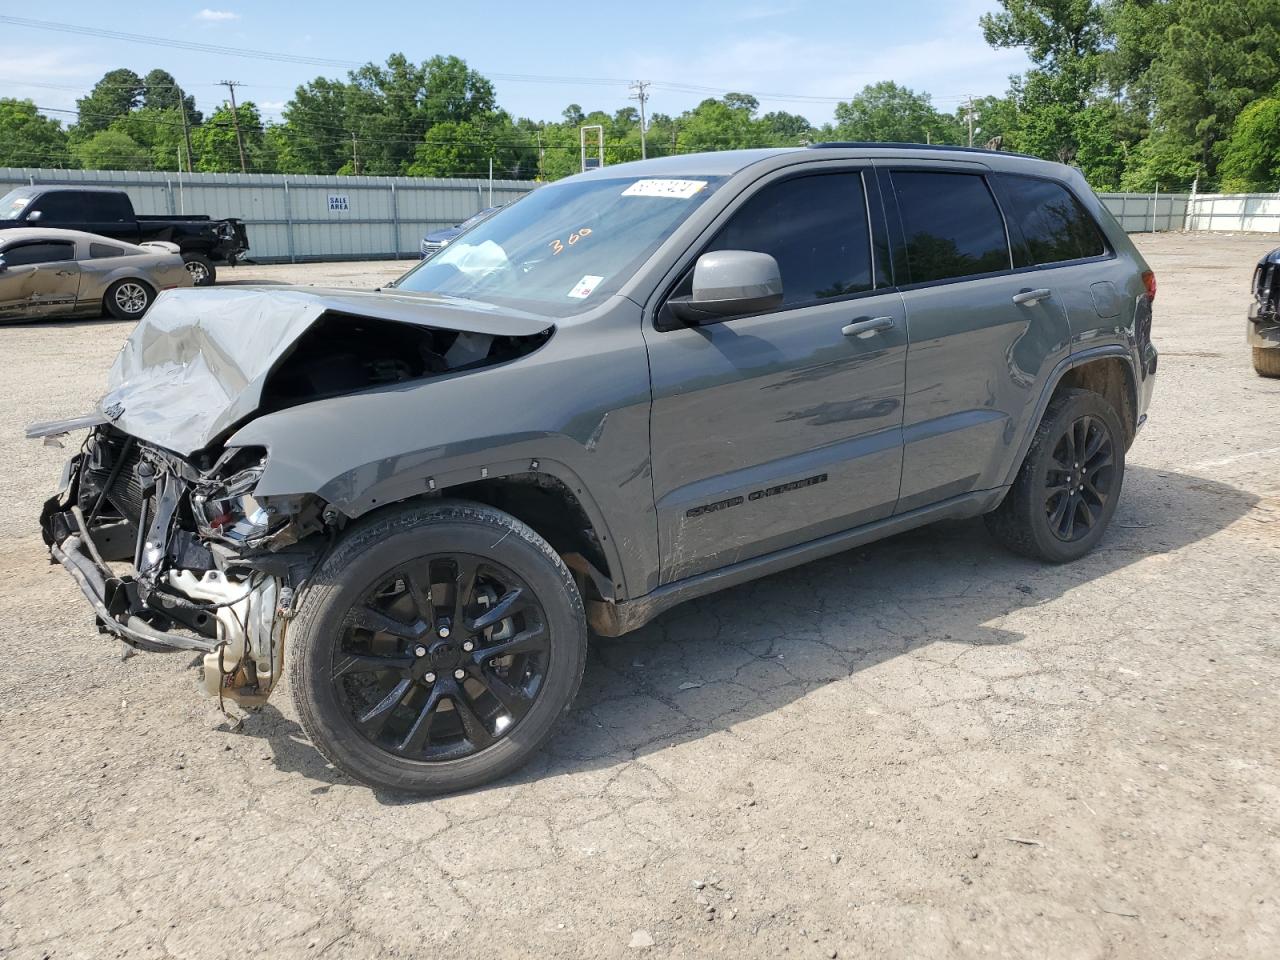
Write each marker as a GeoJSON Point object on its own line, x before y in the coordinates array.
{"type": "Point", "coordinates": [585, 287]}
{"type": "Point", "coordinates": [672, 189]}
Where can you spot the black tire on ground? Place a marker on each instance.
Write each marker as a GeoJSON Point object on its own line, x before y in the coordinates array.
{"type": "Point", "coordinates": [1266, 361]}
{"type": "Point", "coordinates": [201, 269]}
{"type": "Point", "coordinates": [1032, 517]}
{"type": "Point", "coordinates": [389, 548]}
{"type": "Point", "coordinates": [128, 299]}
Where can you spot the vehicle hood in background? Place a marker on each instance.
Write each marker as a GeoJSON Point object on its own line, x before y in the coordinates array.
{"type": "Point", "coordinates": [195, 364]}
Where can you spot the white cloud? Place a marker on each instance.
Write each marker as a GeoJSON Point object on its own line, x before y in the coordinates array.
{"type": "Point", "coordinates": [216, 16]}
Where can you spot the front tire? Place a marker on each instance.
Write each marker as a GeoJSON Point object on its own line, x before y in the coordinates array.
{"type": "Point", "coordinates": [201, 269]}
{"type": "Point", "coordinates": [128, 299]}
{"type": "Point", "coordinates": [1067, 490]}
{"type": "Point", "coordinates": [437, 648]}
{"type": "Point", "coordinates": [1266, 361]}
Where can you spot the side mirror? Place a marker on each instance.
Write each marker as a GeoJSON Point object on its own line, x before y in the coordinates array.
{"type": "Point", "coordinates": [730, 283]}
{"type": "Point", "coordinates": [3, 266]}
{"type": "Point", "coordinates": [32, 216]}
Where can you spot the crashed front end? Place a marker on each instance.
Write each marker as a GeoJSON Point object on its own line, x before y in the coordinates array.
{"type": "Point", "coordinates": [158, 517]}
{"type": "Point", "coordinates": [178, 554]}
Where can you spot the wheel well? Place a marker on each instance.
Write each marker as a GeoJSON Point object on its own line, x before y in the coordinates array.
{"type": "Point", "coordinates": [552, 509]}
{"type": "Point", "coordinates": [1111, 378]}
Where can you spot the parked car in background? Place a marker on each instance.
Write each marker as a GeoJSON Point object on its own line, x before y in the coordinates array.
{"type": "Point", "coordinates": [774, 356]}
{"type": "Point", "coordinates": [47, 273]}
{"type": "Point", "coordinates": [434, 242]}
{"type": "Point", "coordinates": [203, 241]}
{"type": "Point", "coordinates": [1263, 332]}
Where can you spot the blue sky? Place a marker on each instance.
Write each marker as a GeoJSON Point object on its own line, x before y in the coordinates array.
{"type": "Point", "coordinates": [795, 55]}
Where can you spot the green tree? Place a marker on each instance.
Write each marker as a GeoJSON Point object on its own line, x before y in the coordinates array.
{"type": "Point", "coordinates": [463, 148]}
{"type": "Point", "coordinates": [786, 129]}
{"type": "Point", "coordinates": [111, 150]}
{"type": "Point", "coordinates": [886, 112]}
{"type": "Point", "coordinates": [725, 124]}
{"type": "Point", "coordinates": [114, 96]}
{"type": "Point", "coordinates": [28, 139]}
{"type": "Point", "coordinates": [214, 141]}
{"type": "Point", "coordinates": [1251, 160]}
{"type": "Point", "coordinates": [1217, 56]}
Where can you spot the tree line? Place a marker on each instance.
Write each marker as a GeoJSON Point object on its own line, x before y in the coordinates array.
{"type": "Point", "coordinates": [1136, 93]}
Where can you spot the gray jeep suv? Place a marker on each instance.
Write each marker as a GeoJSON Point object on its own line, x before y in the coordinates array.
{"type": "Point", "coordinates": [630, 388]}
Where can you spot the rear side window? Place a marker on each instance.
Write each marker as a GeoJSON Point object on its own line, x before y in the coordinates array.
{"type": "Point", "coordinates": [101, 251]}
{"type": "Point", "coordinates": [38, 253]}
{"type": "Point", "coordinates": [952, 225]}
{"type": "Point", "coordinates": [1053, 223]}
{"type": "Point", "coordinates": [815, 227]}
{"type": "Point", "coordinates": [106, 207]}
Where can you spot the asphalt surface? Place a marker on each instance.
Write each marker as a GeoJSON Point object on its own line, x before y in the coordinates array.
{"type": "Point", "coordinates": [922, 748]}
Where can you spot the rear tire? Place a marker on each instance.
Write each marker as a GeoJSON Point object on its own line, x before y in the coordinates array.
{"type": "Point", "coordinates": [128, 299]}
{"type": "Point", "coordinates": [1067, 490]}
{"type": "Point", "coordinates": [201, 269]}
{"type": "Point", "coordinates": [372, 668]}
{"type": "Point", "coordinates": [1266, 361]}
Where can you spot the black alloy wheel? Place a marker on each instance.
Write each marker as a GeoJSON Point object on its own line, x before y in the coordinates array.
{"type": "Point", "coordinates": [1078, 483]}
{"type": "Point", "coordinates": [437, 647]}
{"type": "Point", "coordinates": [1068, 486]}
{"type": "Point", "coordinates": [442, 658]}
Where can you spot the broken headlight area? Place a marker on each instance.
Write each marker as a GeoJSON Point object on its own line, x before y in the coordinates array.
{"type": "Point", "coordinates": [179, 554]}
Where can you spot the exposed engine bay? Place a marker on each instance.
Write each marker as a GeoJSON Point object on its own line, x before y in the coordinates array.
{"type": "Point", "coordinates": [173, 549]}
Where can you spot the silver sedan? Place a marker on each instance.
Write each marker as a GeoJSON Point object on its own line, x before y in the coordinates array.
{"type": "Point", "coordinates": [46, 273]}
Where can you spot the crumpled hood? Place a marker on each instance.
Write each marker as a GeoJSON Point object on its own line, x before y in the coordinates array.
{"type": "Point", "coordinates": [196, 363]}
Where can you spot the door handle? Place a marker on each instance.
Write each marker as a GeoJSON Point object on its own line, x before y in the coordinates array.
{"type": "Point", "coordinates": [1031, 297]}
{"type": "Point", "coordinates": [867, 328]}
{"type": "Point", "coordinates": [64, 273]}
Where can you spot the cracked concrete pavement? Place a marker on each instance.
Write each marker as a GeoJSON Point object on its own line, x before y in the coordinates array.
{"type": "Point", "coordinates": [924, 747]}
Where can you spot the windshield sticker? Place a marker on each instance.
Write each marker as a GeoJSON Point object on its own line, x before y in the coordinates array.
{"type": "Point", "coordinates": [672, 189]}
{"type": "Point", "coordinates": [585, 287]}
{"type": "Point", "coordinates": [558, 247]}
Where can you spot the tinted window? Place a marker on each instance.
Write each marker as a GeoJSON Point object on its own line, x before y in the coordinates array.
{"type": "Point", "coordinates": [1052, 222]}
{"type": "Point", "coordinates": [952, 225]}
{"type": "Point", "coordinates": [101, 251]}
{"type": "Point", "coordinates": [106, 207]}
{"type": "Point", "coordinates": [58, 208]}
{"type": "Point", "coordinates": [38, 253]}
{"type": "Point", "coordinates": [815, 227]}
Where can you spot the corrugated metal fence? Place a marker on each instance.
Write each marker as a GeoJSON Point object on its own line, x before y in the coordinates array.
{"type": "Point", "coordinates": [368, 218]}
{"type": "Point", "coordinates": [1147, 212]}
{"type": "Point", "coordinates": [300, 217]}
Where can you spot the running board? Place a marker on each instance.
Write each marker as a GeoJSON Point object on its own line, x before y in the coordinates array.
{"type": "Point", "coordinates": [615, 619]}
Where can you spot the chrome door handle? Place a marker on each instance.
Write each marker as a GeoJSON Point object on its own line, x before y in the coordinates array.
{"type": "Point", "coordinates": [867, 328]}
{"type": "Point", "coordinates": [1031, 297]}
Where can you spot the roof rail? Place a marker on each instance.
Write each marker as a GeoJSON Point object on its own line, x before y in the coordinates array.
{"type": "Point", "coordinates": [897, 145]}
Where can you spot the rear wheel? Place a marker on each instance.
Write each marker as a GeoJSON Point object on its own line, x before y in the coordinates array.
{"type": "Point", "coordinates": [1063, 499]}
{"type": "Point", "coordinates": [128, 299]}
{"type": "Point", "coordinates": [201, 269]}
{"type": "Point", "coordinates": [437, 648]}
{"type": "Point", "coordinates": [1266, 361]}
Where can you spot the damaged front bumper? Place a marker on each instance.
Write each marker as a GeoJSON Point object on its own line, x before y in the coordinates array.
{"type": "Point", "coordinates": [173, 555]}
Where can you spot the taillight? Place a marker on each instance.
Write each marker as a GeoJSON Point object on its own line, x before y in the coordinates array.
{"type": "Point", "coordinates": [1149, 280]}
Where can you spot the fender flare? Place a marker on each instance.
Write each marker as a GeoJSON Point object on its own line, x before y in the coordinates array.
{"type": "Point", "coordinates": [1106, 351]}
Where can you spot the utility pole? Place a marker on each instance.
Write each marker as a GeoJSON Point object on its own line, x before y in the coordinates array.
{"type": "Point", "coordinates": [355, 157]}
{"type": "Point", "coordinates": [641, 88]}
{"type": "Point", "coordinates": [235, 117]}
{"type": "Point", "coordinates": [186, 128]}
{"type": "Point", "coordinates": [969, 115]}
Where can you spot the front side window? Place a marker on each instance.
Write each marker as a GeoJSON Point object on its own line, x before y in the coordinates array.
{"type": "Point", "coordinates": [564, 247]}
{"type": "Point", "coordinates": [951, 224]}
{"type": "Point", "coordinates": [58, 208]}
{"type": "Point", "coordinates": [1054, 225]}
{"type": "Point", "coordinates": [105, 208]}
{"type": "Point", "coordinates": [28, 253]}
{"type": "Point", "coordinates": [815, 227]}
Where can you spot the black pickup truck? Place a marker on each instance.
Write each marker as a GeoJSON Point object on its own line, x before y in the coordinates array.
{"type": "Point", "coordinates": [109, 213]}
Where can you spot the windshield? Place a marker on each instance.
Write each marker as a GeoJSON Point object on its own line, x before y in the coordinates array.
{"type": "Point", "coordinates": [12, 204]}
{"type": "Point", "coordinates": [563, 248]}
